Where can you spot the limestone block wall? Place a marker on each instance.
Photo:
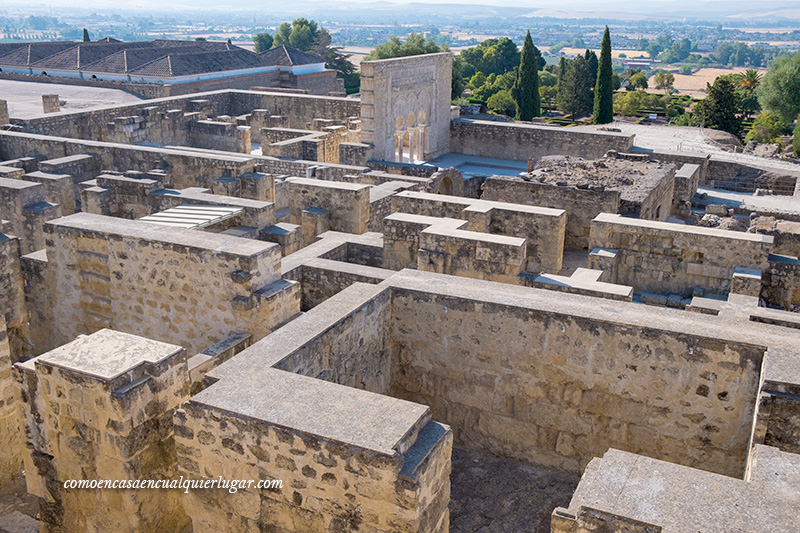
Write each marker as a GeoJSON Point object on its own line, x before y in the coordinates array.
{"type": "Point", "coordinates": [11, 452]}
{"type": "Point", "coordinates": [522, 141]}
{"type": "Point", "coordinates": [182, 286]}
{"type": "Point", "coordinates": [516, 374]}
{"type": "Point", "coordinates": [626, 492]}
{"type": "Point", "coordinates": [675, 259]}
{"type": "Point", "coordinates": [38, 300]}
{"type": "Point", "coordinates": [680, 158]}
{"type": "Point", "coordinates": [348, 459]}
{"type": "Point", "coordinates": [12, 296]}
{"type": "Point", "coordinates": [401, 94]}
{"type": "Point", "coordinates": [300, 109]}
{"type": "Point", "coordinates": [542, 227]}
{"type": "Point", "coordinates": [655, 204]}
{"type": "Point", "coordinates": [23, 205]}
{"type": "Point", "coordinates": [781, 281]}
{"type": "Point", "coordinates": [58, 189]}
{"type": "Point", "coordinates": [347, 203]}
{"type": "Point", "coordinates": [380, 201]}
{"type": "Point", "coordinates": [687, 179]}
{"type": "Point", "coordinates": [401, 237]}
{"type": "Point", "coordinates": [216, 135]}
{"type": "Point", "coordinates": [472, 255]}
{"type": "Point", "coordinates": [97, 408]}
{"type": "Point", "coordinates": [737, 176]}
{"type": "Point", "coordinates": [186, 167]}
{"type": "Point", "coordinates": [581, 206]}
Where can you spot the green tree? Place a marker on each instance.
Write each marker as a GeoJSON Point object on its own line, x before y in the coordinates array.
{"type": "Point", "coordinates": [594, 64]}
{"type": "Point", "coordinates": [526, 86]}
{"type": "Point", "coordinates": [262, 42]}
{"type": "Point", "coordinates": [720, 109]}
{"type": "Point", "coordinates": [502, 102]}
{"type": "Point", "coordinates": [604, 88]}
{"type": "Point", "coordinates": [492, 56]}
{"type": "Point", "coordinates": [414, 45]}
{"type": "Point", "coordinates": [575, 90]}
{"type": "Point", "coordinates": [457, 80]}
{"type": "Point", "coordinates": [638, 81]}
{"type": "Point", "coordinates": [282, 35]}
{"type": "Point", "coordinates": [796, 138]}
{"type": "Point", "coordinates": [780, 89]}
{"type": "Point", "coordinates": [685, 70]}
{"type": "Point", "coordinates": [664, 80]}
{"type": "Point", "coordinates": [767, 128]}
{"type": "Point", "coordinates": [86, 38]}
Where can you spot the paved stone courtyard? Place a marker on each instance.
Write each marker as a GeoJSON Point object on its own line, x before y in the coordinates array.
{"type": "Point", "coordinates": [25, 98]}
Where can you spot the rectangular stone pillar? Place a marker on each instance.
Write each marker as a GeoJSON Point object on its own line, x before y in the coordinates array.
{"type": "Point", "coordinates": [4, 119]}
{"type": "Point", "coordinates": [100, 408]}
{"type": "Point", "coordinates": [50, 103]}
{"type": "Point", "coordinates": [314, 222]}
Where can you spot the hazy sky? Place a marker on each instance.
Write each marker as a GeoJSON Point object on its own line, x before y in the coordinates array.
{"type": "Point", "coordinates": [652, 7]}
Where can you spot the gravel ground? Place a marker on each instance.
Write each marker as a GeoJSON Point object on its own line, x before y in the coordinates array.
{"type": "Point", "coordinates": [491, 494]}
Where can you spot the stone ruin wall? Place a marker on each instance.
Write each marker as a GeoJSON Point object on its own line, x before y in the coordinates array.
{"type": "Point", "coordinates": [668, 258]}
{"type": "Point", "coordinates": [581, 205]}
{"type": "Point", "coordinates": [562, 389]}
{"type": "Point", "coordinates": [127, 275]}
{"type": "Point", "coordinates": [11, 457]}
{"type": "Point", "coordinates": [522, 141]}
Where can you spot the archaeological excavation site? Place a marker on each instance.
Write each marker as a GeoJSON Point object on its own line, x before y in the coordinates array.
{"type": "Point", "coordinates": [413, 320]}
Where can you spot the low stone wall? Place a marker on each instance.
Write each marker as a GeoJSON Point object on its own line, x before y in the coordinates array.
{"type": "Point", "coordinates": [114, 273]}
{"type": "Point", "coordinates": [300, 109]}
{"type": "Point", "coordinates": [543, 228]}
{"type": "Point", "coordinates": [740, 177]}
{"type": "Point", "coordinates": [216, 135]}
{"type": "Point", "coordinates": [346, 203]}
{"type": "Point", "coordinates": [145, 90]}
{"type": "Point", "coordinates": [672, 258]}
{"type": "Point", "coordinates": [520, 142]}
{"type": "Point", "coordinates": [580, 205]}
{"type": "Point", "coordinates": [184, 167]}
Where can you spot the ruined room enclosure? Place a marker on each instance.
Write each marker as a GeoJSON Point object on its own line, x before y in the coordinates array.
{"type": "Point", "coordinates": [566, 385]}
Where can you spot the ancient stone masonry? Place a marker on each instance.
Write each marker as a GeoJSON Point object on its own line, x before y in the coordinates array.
{"type": "Point", "coordinates": [11, 454]}
{"type": "Point", "coordinates": [23, 206]}
{"type": "Point", "coordinates": [98, 408]}
{"type": "Point", "coordinates": [391, 474]}
{"type": "Point", "coordinates": [662, 257]}
{"type": "Point", "coordinates": [627, 492]}
{"type": "Point", "coordinates": [269, 285]}
{"type": "Point", "coordinates": [174, 285]}
{"type": "Point", "coordinates": [619, 183]}
{"type": "Point", "coordinates": [542, 228]}
{"type": "Point", "coordinates": [522, 141]}
{"type": "Point", "coordinates": [405, 107]}
{"type": "Point", "coordinates": [12, 297]}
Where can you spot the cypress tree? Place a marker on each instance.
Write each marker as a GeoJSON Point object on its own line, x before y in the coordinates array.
{"type": "Point", "coordinates": [526, 86]}
{"type": "Point", "coordinates": [604, 90]}
{"type": "Point", "coordinates": [86, 35]}
{"type": "Point", "coordinates": [796, 139]}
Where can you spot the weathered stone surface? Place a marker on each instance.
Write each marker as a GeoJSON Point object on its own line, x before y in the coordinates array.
{"type": "Point", "coordinates": [99, 408]}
